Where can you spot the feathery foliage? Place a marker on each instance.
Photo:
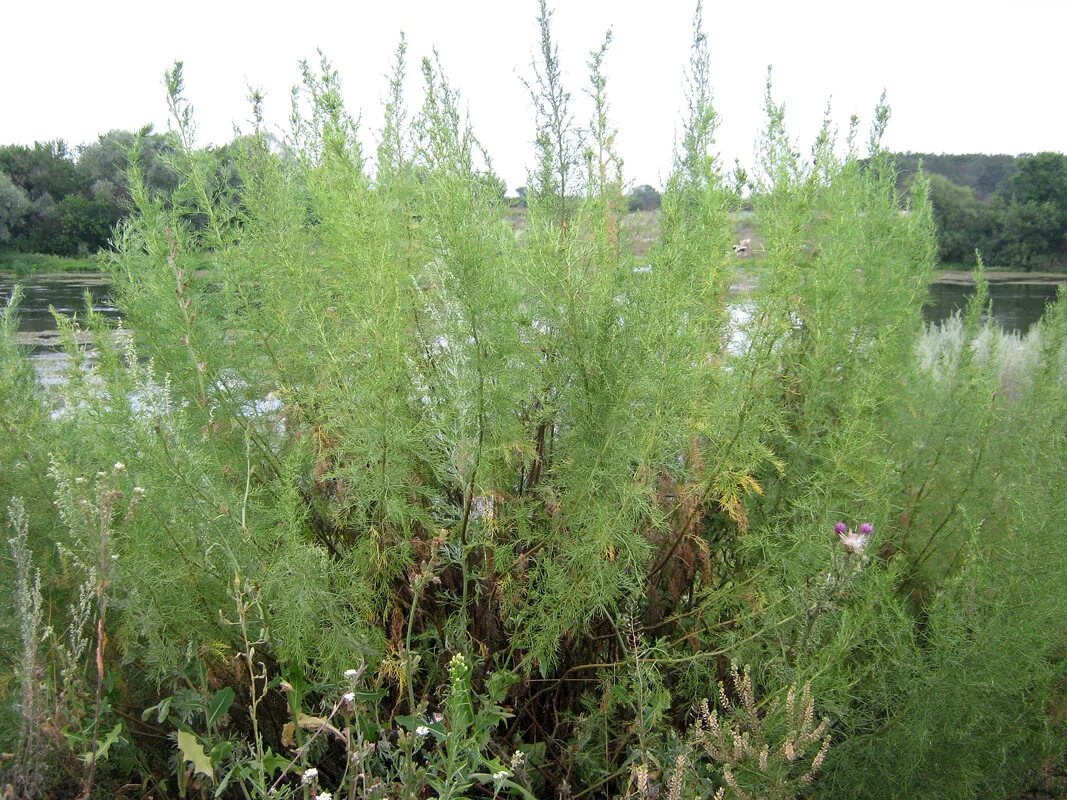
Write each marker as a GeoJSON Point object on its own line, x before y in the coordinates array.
{"type": "Point", "coordinates": [372, 494]}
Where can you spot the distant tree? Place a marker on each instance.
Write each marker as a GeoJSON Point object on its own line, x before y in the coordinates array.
{"type": "Point", "coordinates": [1012, 209]}
{"type": "Point", "coordinates": [84, 224]}
{"type": "Point", "coordinates": [14, 205]}
{"type": "Point", "coordinates": [986, 174]}
{"type": "Point", "coordinates": [39, 229]}
{"type": "Point", "coordinates": [103, 163]}
{"type": "Point", "coordinates": [495, 184]}
{"type": "Point", "coordinates": [1033, 222]}
{"type": "Point", "coordinates": [1024, 235]}
{"type": "Point", "coordinates": [1042, 178]}
{"type": "Point", "coordinates": [960, 217]}
{"type": "Point", "coordinates": [643, 198]}
{"type": "Point", "coordinates": [44, 168]}
{"type": "Point", "coordinates": [47, 174]}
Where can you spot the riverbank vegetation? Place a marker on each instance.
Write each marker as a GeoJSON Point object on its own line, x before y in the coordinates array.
{"type": "Point", "coordinates": [373, 497]}
{"type": "Point", "coordinates": [1012, 210]}
{"type": "Point", "coordinates": [26, 263]}
{"type": "Point", "coordinates": [56, 200]}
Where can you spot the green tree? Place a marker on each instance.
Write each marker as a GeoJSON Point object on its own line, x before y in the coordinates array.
{"type": "Point", "coordinates": [1024, 235]}
{"type": "Point", "coordinates": [104, 162]}
{"type": "Point", "coordinates": [44, 168]}
{"type": "Point", "coordinates": [1042, 178]}
{"type": "Point", "coordinates": [960, 217]}
{"type": "Point", "coordinates": [1031, 221]}
{"type": "Point", "coordinates": [14, 205]}
{"type": "Point", "coordinates": [84, 224]}
{"type": "Point", "coordinates": [643, 198]}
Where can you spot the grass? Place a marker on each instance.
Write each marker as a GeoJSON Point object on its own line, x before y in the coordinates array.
{"type": "Point", "coordinates": [949, 272]}
{"type": "Point", "coordinates": [1054, 269]}
{"type": "Point", "coordinates": [25, 263]}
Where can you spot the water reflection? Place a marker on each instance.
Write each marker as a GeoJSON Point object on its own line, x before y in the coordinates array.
{"type": "Point", "coordinates": [65, 292]}
{"type": "Point", "coordinates": [1019, 300]}
{"type": "Point", "coordinates": [1017, 305]}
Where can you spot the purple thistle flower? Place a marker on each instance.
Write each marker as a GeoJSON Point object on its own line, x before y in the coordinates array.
{"type": "Point", "coordinates": [841, 528]}
{"type": "Point", "coordinates": [866, 529]}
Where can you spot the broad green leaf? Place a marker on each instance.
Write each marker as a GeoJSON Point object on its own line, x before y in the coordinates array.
{"type": "Point", "coordinates": [272, 762]}
{"type": "Point", "coordinates": [193, 752]}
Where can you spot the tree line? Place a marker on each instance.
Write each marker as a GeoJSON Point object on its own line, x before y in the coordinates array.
{"type": "Point", "coordinates": [1012, 209]}
{"type": "Point", "coordinates": [66, 201]}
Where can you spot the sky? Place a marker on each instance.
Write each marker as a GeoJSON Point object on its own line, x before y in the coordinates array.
{"type": "Point", "coordinates": [961, 76]}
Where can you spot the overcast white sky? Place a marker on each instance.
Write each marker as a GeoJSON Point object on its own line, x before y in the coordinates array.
{"type": "Point", "coordinates": [962, 76]}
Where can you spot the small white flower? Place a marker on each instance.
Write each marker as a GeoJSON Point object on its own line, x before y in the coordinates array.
{"type": "Point", "coordinates": [351, 674]}
{"type": "Point", "coordinates": [349, 697]}
{"type": "Point", "coordinates": [499, 776]}
{"type": "Point", "coordinates": [79, 480]}
{"type": "Point", "coordinates": [138, 490]}
{"type": "Point", "coordinates": [854, 542]}
{"type": "Point", "coordinates": [119, 466]}
{"type": "Point", "coordinates": [310, 776]}
{"type": "Point", "coordinates": [324, 796]}
{"type": "Point", "coordinates": [422, 730]}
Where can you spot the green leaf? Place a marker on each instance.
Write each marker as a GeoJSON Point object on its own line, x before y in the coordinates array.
{"type": "Point", "coordinates": [193, 752]}
{"type": "Point", "coordinates": [220, 704]}
{"type": "Point", "coordinates": [273, 763]}
{"type": "Point", "coordinates": [221, 751]}
{"type": "Point", "coordinates": [102, 747]}
{"type": "Point", "coordinates": [162, 708]}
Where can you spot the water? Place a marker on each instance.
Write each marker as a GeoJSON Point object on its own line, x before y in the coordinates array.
{"type": "Point", "coordinates": [1018, 301]}
{"type": "Point", "coordinates": [65, 292]}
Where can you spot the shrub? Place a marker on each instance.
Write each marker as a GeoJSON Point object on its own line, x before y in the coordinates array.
{"type": "Point", "coordinates": [369, 457]}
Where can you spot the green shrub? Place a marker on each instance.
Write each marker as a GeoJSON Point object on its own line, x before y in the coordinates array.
{"type": "Point", "coordinates": [369, 456]}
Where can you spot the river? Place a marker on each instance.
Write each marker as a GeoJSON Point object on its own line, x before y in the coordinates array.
{"type": "Point", "coordinates": [1019, 300]}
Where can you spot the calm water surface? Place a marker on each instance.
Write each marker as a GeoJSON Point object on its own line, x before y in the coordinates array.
{"type": "Point", "coordinates": [1018, 302]}
{"type": "Point", "coordinates": [64, 292]}
{"type": "Point", "coordinates": [1017, 305]}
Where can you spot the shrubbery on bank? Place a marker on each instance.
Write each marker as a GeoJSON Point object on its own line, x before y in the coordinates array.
{"type": "Point", "coordinates": [380, 498]}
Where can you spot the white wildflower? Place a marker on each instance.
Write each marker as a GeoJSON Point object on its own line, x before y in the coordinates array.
{"type": "Point", "coordinates": [349, 697]}
{"type": "Point", "coordinates": [854, 542]}
{"type": "Point", "coordinates": [310, 776]}
{"type": "Point", "coordinates": [138, 490]}
{"type": "Point", "coordinates": [324, 796]}
{"type": "Point", "coordinates": [351, 674]}
{"type": "Point", "coordinates": [119, 466]}
{"type": "Point", "coordinates": [422, 730]}
{"type": "Point", "coordinates": [499, 776]}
